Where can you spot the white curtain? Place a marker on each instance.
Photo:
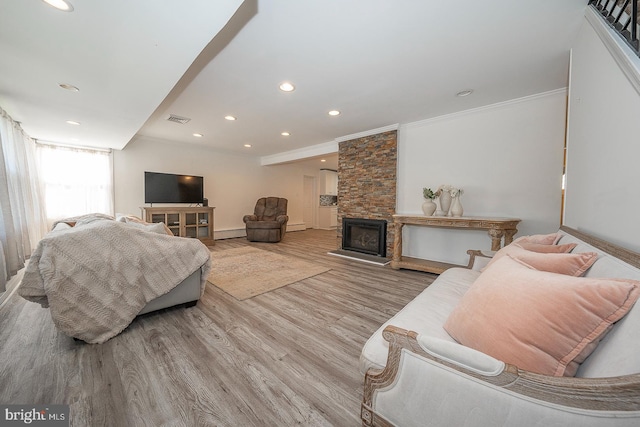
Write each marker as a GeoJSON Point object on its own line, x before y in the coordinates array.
{"type": "Point", "coordinates": [22, 215]}
{"type": "Point", "coordinates": [77, 181]}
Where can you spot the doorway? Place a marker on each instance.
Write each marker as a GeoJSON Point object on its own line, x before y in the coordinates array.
{"type": "Point", "coordinates": [309, 201]}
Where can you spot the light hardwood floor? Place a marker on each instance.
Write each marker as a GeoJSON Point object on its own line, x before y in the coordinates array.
{"type": "Point", "coordinates": [287, 357]}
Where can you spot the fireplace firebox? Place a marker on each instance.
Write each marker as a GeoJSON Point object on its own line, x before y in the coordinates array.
{"type": "Point", "coordinates": [368, 236]}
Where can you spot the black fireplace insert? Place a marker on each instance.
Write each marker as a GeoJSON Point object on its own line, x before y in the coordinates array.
{"type": "Point", "coordinates": [368, 236]}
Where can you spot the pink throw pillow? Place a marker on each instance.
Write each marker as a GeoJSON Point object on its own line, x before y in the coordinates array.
{"type": "Point", "coordinates": [543, 239]}
{"type": "Point", "coordinates": [562, 263]}
{"type": "Point", "coordinates": [539, 321]}
{"type": "Point", "coordinates": [533, 247]}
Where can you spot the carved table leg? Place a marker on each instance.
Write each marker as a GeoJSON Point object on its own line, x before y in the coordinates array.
{"type": "Point", "coordinates": [496, 239]}
{"type": "Point", "coordinates": [508, 235]}
{"type": "Point", "coordinates": [397, 247]}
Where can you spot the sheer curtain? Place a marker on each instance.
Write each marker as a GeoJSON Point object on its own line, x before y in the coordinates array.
{"type": "Point", "coordinates": [22, 215]}
{"type": "Point", "coordinates": [77, 181]}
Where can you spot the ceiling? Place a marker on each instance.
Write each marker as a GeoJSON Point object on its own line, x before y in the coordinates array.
{"type": "Point", "coordinates": [379, 62]}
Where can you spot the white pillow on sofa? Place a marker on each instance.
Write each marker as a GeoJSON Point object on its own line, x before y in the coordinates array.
{"type": "Point", "coordinates": [157, 227]}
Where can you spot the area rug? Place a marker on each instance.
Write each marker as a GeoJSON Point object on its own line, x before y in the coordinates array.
{"type": "Point", "coordinates": [247, 271]}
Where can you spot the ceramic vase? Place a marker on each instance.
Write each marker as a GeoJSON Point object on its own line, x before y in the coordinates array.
{"type": "Point", "coordinates": [445, 202]}
{"type": "Point", "coordinates": [456, 207]}
{"type": "Point", "coordinates": [429, 207]}
{"type": "Point", "coordinates": [438, 211]}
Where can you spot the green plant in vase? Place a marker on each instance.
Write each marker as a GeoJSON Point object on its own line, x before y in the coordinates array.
{"type": "Point", "coordinates": [429, 206]}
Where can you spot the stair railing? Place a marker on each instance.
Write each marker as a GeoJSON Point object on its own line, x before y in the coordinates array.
{"type": "Point", "coordinates": [622, 16]}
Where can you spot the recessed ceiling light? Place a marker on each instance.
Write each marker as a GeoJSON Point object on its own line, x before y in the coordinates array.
{"type": "Point", "coordinates": [285, 134]}
{"type": "Point", "coordinates": [198, 135]}
{"type": "Point", "coordinates": [334, 112]}
{"type": "Point", "coordinates": [67, 86]}
{"type": "Point", "coordinates": [323, 160]}
{"type": "Point", "coordinates": [62, 5]}
{"type": "Point", "coordinates": [73, 122]}
{"type": "Point", "coordinates": [465, 92]}
{"type": "Point", "coordinates": [287, 87]}
{"type": "Point", "coordinates": [229, 118]}
{"type": "Point", "coordinates": [247, 145]}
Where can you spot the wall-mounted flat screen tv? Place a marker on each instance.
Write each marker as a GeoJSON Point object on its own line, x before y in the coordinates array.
{"type": "Point", "coordinates": [171, 188]}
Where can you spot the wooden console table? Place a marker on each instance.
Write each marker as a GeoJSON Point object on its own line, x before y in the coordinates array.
{"type": "Point", "coordinates": [496, 227]}
{"type": "Point", "coordinates": [194, 222]}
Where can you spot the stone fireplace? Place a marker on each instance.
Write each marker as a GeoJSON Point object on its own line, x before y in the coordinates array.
{"type": "Point", "coordinates": [367, 183]}
{"type": "Point", "coordinates": [368, 236]}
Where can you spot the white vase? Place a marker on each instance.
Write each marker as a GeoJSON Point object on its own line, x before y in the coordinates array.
{"type": "Point", "coordinates": [438, 211]}
{"type": "Point", "coordinates": [456, 207]}
{"type": "Point", "coordinates": [429, 207]}
{"type": "Point", "coordinates": [445, 202]}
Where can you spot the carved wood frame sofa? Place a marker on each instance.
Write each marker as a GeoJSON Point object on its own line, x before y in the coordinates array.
{"type": "Point", "coordinates": [417, 375]}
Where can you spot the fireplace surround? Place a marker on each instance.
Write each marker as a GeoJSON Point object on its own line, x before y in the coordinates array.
{"type": "Point", "coordinates": [368, 236]}
{"type": "Point", "coordinates": [367, 181]}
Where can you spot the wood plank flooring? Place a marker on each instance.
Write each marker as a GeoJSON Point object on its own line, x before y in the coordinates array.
{"type": "Point", "coordinates": [287, 357]}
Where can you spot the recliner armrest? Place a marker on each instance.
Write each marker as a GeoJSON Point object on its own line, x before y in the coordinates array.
{"type": "Point", "coordinates": [282, 219]}
{"type": "Point", "coordinates": [249, 218]}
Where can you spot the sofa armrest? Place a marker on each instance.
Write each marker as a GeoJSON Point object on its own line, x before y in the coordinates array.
{"type": "Point", "coordinates": [479, 259]}
{"type": "Point", "coordinates": [247, 218]}
{"type": "Point", "coordinates": [461, 356]}
{"type": "Point", "coordinates": [604, 398]}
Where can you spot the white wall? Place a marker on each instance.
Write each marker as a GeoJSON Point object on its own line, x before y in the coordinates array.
{"type": "Point", "coordinates": [603, 149]}
{"type": "Point", "coordinates": [232, 183]}
{"type": "Point", "coordinates": [507, 158]}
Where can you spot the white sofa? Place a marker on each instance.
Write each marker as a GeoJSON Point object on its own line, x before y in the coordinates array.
{"type": "Point", "coordinates": [417, 375]}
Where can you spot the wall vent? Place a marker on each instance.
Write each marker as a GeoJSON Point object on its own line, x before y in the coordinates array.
{"type": "Point", "coordinates": [178, 119]}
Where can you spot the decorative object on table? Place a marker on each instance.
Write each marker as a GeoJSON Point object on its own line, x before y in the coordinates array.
{"type": "Point", "coordinates": [456, 204]}
{"type": "Point", "coordinates": [429, 206]}
{"type": "Point", "coordinates": [445, 201]}
{"type": "Point", "coordinates": [443, 193]}
{"type": "Point", "coordinates": [439, 211]}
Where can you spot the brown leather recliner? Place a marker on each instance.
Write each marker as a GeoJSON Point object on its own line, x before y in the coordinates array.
{"type": "Point", "coordinates": [269, 220]}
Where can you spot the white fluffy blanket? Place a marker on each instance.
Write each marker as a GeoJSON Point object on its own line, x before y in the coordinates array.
{"type": "Point", "coordinates": [98, 275]}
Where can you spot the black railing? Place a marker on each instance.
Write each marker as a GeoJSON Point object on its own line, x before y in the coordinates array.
{"type": "Point", "coordinates": [622, 16]}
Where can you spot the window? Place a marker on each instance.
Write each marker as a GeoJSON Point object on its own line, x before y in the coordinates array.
{"type": "Point", "coordinates": [76, 181]}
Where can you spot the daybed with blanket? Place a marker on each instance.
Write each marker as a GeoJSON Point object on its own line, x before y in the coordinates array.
{"type": "Point", "coordinates": [99, 274]}
{"type": "Point", "coordinates": [546, 334]}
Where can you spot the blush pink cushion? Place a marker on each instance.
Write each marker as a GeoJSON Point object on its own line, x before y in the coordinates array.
{"type": "Point", "coordinates": [543, 239]}
{"type": "Point", "coordinates": [562, 263]}
{"type": "Point", "coordinates": [532, 247]}
{"type": "Point", "coordinates": [539, 321]}
{"type": "Point", "coordinates": [547, 249]}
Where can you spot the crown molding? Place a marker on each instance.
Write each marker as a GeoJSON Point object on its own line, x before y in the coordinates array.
{"type": "Point", "coordinates": [367, 133]}
{"type": "Point", "coordinates": [330, 147]}
{"type": "Point", "coordinates": [498, 105]}
{"type": "Point", "coordinates": [301, 153]}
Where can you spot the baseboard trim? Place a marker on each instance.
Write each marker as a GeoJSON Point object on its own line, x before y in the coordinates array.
{"type": "Point", "coordinates": [232, 233]}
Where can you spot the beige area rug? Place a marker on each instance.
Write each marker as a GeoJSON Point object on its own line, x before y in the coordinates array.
{"type": "Point", "coordinates": [246, 272]}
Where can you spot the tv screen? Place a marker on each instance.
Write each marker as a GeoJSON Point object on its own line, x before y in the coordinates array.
{"type": "Point", "coordinates": [171, 188]}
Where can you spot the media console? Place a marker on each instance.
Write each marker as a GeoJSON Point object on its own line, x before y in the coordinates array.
{"type": "Point", "coordinates": [184, 221]}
